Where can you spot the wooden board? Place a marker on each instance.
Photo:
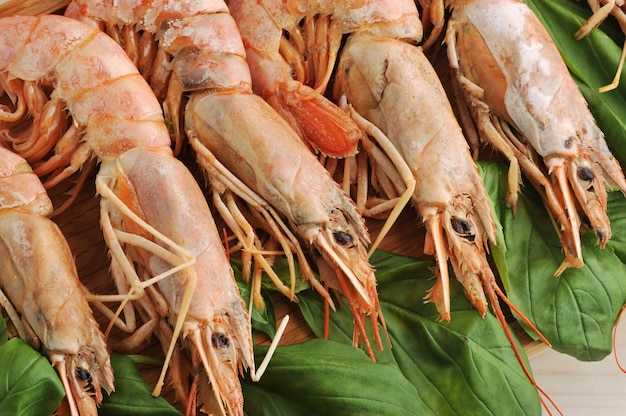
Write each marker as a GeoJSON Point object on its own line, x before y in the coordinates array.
{"type": "Point", "coordinates": [30, 7]}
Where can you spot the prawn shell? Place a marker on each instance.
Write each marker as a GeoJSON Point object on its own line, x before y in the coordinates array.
{"type": "Point", "coordinates": [148, 14]}
{"type": "Point", "coordinates": [262, 23]}
{"type": "Point", "coordinates": [294, 181]}
{"type": "Point", "coordinates": [40, 279]}
{"type": "Point", "coordinates": [216, 307]}
{"type": "Point", "coordinates": [421, 125]}
{"type": "Point", "coordinates": [84, 65]}
{"type": "Point", "coordinates": [20, 186]}
{"type": "Point", "coordinates": [167, 208]}
{"type": "Point", "coordinates": [200, 35]}
{"type": "Point", "coordinates": [31, 245]}
{"type": "Point", "coordinates": [259, 21]}
{"type": "Point", "coordinates": [533, 87]}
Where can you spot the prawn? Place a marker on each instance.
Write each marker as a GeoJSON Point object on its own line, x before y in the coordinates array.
{"type": "Point", "coordinates": [391, 88]}
{"type": "Point", "coordinates": [525, 103]}
{"type": "Point", "coordinates": [249, 151]}
{"type": "Point", "coordinates": [40, 289]}
{"type": "Point", "coordinates": [153, 212]}
{"type": "Point", "coordinates": [282, 39]}
{"type": "Point", "coordinates": [392, 85]}
{"type": "Point", "coordinates": [291, 49]}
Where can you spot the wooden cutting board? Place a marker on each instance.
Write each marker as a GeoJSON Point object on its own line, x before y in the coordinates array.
{"type": "Point", "coordinates": [30, 7]}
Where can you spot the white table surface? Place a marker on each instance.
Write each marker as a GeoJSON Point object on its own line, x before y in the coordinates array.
{"type": "Point", "coordinates": [584, 388]}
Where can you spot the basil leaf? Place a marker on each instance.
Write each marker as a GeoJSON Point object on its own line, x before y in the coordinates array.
{"type": "Point", "coordinates": [28, 383]}
{"type": "Point", "coordinates": [466, 366]}
{"type": "Point", "coordinates": [577, 311]}
{"type": "Point", "coordinates": [132, 395]}
{"type": "Point", "coordinates": [319, 377]}
{"type": "Point", "coordinates": [262, 320]}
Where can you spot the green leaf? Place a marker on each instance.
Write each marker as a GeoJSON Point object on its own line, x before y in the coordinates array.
{"type": "Point", "coordinates": [319, 377]}
{"type": "Point", "coordinates": [593, 61]}
{"type": "Point", "coordinates": [28, 383]}
{"type": "Point", "coordinates": [616, 211]}
{"type": "Point", "coordinates": [262, 320]}
{"type": "Point", "coordinates": [463, 367]}
{"type": "Point", "coordinates": [576, 312]}
{"type": "Point", "coordinates": [132, 396]}
{"type": "Point", "coordinates": [493, 174]}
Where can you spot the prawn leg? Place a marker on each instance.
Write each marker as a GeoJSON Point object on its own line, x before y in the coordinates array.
{"type": "Point", "coordinates": [40, 282]}
{"type": "Point", "coordinates": [529, 107]}
{"type": "Point", "coordinates": [600, 13]}
{"type": "Point", "coordinates": [450, 196]}
{"type": "Point", "coordinates": [283, 39]}
{"type": "Point", "coordinates": [156, 221]}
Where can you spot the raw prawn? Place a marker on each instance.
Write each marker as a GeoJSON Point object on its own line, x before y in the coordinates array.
{"type": "Point", "coordinates": [283, 39]}
{"type": "Point", "coordinates": [249, 150]}
{"type": "Point", "coordinates": [392, 85]}
{"type": "Point", "coordinates": [391, 88]}
{"type": "Point", "coordinates": [525, 103]}
{"type": "Point", "coordinates": [39, 287]}
{"type": "Point", "coordinates": [153, 212]}
{"type": "Point", "coordinates": [291, 49]}
{"type": "Point", "coordinates": [216, 323]}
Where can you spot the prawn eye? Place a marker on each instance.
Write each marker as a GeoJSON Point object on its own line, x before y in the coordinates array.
{"type": "Point", "coordinates": [463, 228]}
{"type": "Point", "coordinates": [220, 340]}
{"type": "Point", "coordinates": [585, 174]}
{"type": "Point", "coordinates": [84, 375]}
{"type": "Point", "coordinates": [343, 238]}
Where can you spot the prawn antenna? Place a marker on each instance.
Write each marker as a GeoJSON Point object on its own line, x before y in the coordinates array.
{"type": "Point", "coordinates": [493, 298]}
{"type": "Point", "coordinates": [619, 317]}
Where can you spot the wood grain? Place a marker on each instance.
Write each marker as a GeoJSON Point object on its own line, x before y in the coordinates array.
{"type": "Point", "coordinates": [30, 7]}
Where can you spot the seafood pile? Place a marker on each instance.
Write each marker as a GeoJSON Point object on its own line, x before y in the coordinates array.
{"type": "Point", "coordinates": [306, 122]}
